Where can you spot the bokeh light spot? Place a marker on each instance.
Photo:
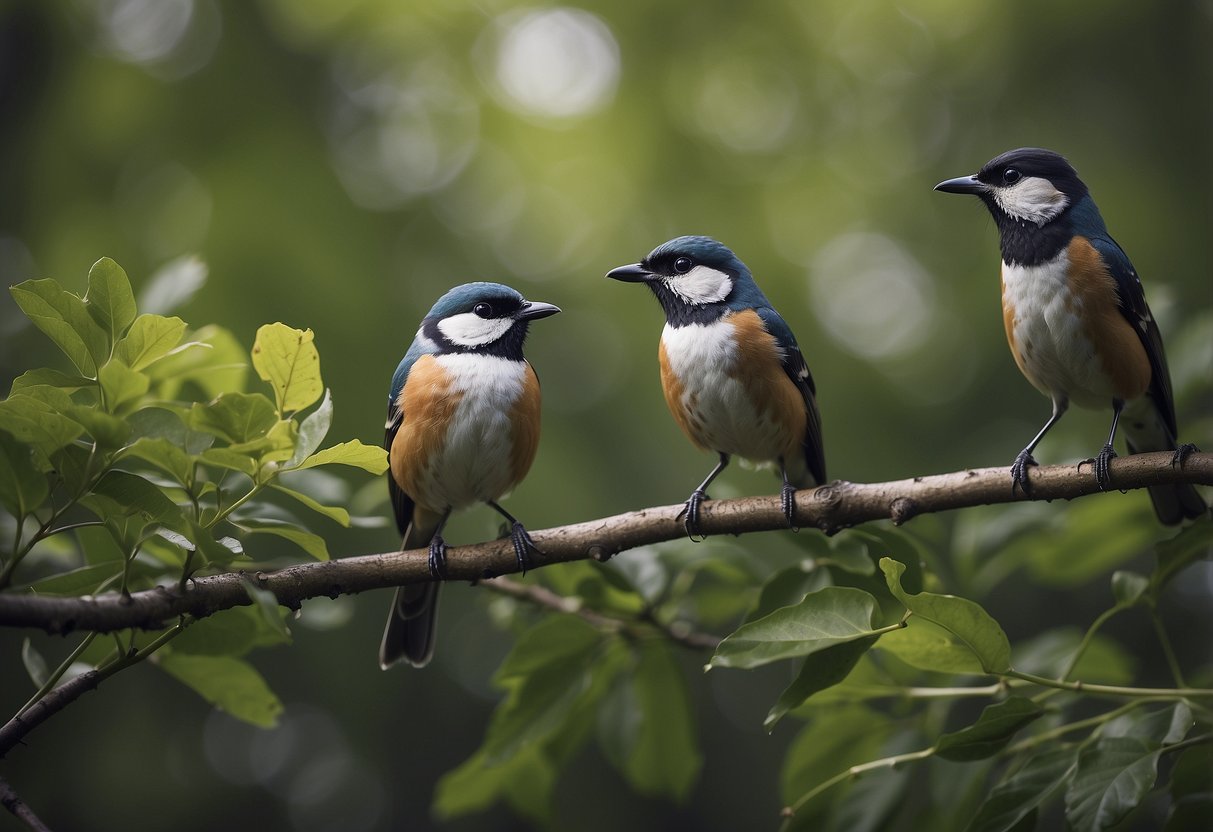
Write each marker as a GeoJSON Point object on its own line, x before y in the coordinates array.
{"type": "Point", "coordinates": [553, 63]}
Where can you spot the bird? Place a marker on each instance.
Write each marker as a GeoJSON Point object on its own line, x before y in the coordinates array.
{"type": "Point", "coordinates": [462, 428]}
{"type": "Point", "coordinates": [1076, 316]}
{"type": "Point", "coordinates": [733, 375]}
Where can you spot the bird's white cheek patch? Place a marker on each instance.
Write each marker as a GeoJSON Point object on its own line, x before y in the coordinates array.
{"type": "Point", "coordinates": [470, 330]}
{"type": "Point", "coordinates": [1033, 199]}
{"type": "Point", "coordinates": [701, 285]}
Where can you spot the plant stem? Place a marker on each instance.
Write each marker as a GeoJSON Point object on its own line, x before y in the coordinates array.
{"type": "Point", "coordinates": [1167, 650]}
{"type": "Point", "coordinates": [855, 771]}
{"type": "Point", "coordinates": [1069, 727]}
{"type": "Point", "coordinates": [1108, 690]}
{"type": "Point", "coordinates": [1086, 640]}
{"type": "Point", "coordinates": [49, 684]}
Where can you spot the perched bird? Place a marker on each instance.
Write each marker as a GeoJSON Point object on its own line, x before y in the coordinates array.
{"type": "Point", "coordinates": [733, 376]}
{"type": "Point", "coordinates": [1076, 315]}
{"type": "Point", "coordinates": [462, 428]}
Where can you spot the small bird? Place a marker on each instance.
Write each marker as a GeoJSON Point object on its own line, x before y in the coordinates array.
{"type": "Point", "coordinates": [462, 428]}
{"type": "Point", "coordinates": [733, 376]}
{"type": "Point", "coordinates": [1076, 315]}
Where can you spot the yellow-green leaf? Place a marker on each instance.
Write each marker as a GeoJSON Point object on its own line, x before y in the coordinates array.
{"type": "Point", "coordinates": [288, 360]}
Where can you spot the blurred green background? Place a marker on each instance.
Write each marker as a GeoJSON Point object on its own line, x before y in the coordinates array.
{"type": "Point", "coordinates": [338, 165]}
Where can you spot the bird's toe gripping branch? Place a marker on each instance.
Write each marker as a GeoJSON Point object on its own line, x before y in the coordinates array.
{"type": "Point", "coordinates": [438, 557]}
{"type": "Point", "coordinates": [524, 544]}
{"type": "Point", "coordinates": [690, 514]}
{"type": "Point", "coordinates": [787, 502]}
{"type": "Point", "coordinates": [1019, 471]}
{"type": "Point", "coordinates": [1103, 463]}
{"type": "Point", "coordinates": [1182, 453]}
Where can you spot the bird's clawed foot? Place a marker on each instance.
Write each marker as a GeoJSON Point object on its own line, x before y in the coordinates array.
{"type": "Point", "coordinates": [523, 546]}
{"type": "Point", "coordinates": [438, 557]}
{"type": "Point", "coordinates": [1019, 471]}
{"type": "Point", "coordinates": [1103, 462]}
{"type": "Point", "coordinates": [690, 514]}
{"type": "Point", "coordinates": [787, 502]}
{"type": "Point", "coordinates": [1182, 453]}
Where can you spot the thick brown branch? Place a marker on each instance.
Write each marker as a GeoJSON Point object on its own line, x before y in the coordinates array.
{"type": "Point", "coordinates": [829, 508]}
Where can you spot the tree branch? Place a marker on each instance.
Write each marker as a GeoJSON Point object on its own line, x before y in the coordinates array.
{"type": "Point", "coordinates": [10, 800]}
{"type": "Point", "coordinates": [828, 508]}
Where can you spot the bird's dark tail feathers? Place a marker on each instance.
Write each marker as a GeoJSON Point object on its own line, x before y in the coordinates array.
{"type": "Point", "coordinates": [1172, 503]}
{"type": "Point", "coordinates": [409, 633]}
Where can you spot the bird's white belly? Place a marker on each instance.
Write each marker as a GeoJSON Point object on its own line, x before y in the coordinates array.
{"type": "Point", "coordinates": [1052, 349]}
{"type": "Point", "coordinates": [714, 397]}
{"type": "Point", "coordinates": [473, 463]}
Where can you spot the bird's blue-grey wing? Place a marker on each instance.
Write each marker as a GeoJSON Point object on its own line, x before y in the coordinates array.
{"type": "Point", "coordinates": [797, 370]}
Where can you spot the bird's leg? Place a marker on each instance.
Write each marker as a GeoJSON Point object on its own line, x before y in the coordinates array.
{"type": "Point", "coordinates": [523, 544]}
{"type": "Point", "coordinates": [1107, 453]}
{"type": "Point", "coordinates": [690, 509]}
{"type": "Point", "coordinates": [438, 549]}
{"type": "Point", "coordinates": [1019, 469]}
{"type": "Point", "coordinates": [787, 497]}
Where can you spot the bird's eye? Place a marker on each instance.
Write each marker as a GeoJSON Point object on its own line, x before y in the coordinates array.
{"type": "Point", "coordinates": [1010, 176]}
{"type": "Point", "coordinates": [483, 310]}
{"type": "Point", "coordinates": [682, 265]}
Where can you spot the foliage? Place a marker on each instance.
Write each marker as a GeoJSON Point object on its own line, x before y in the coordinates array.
{"type": "Point", "coordinates": [150, 463]}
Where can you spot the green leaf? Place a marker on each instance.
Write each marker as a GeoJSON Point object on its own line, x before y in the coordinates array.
{"type": "Point", "coordinates": [37, 423]}
{"type": "Point", "coordinates": [165, 455]}
{"type": "Point", "coordinates": [991, 732]}
{"type": "Point", "coordinates": [370, 458]}
{"type": "Point", "coordinates": [232, 632]}
{"type": "Point", "coordinates": [1022, 793]}
{"type": "Point", "coordinates": [63, 317]}
{"type": "Point", "coordinates": [820, 670]}
{"type": "Point", "coordinates": [830, 616]}
{"type": "Point", "coordinates": [787, 588]}
{"type": "Point", "coordinates": [312, 431]}
{"type": "Point", "coordinates": [110, 431]}
{"type": "Point", "coordinates": [214, 360]}
{"type": "Point", "coordinates": [1191, 544]}
{"type": "Point", "coordinates": [1103, 661]}
{"type": "Point", "coordinates": [545, 674]}
{"type": "Point", "coordinates": [964, 619]}
{"type": "Point", "coordinates": [288, 360]}
{"type": "Point", "coordinates": [132, 495]}
{"type": "Point", "coordinates": [335, 513]}
{"type": "Point", "coordinates": [269, 613]}
{"type": "Point", "coordinates": [660, 753]}
{"type": "Point", "coordinates": [46, 377]}
{"type": "Point", "coordinates": [1065, 556]}
{"type": "Point", "coordinates": [1128, 587]}
{"type": "Point", "coordinates": [1114, 775]}
{"type": "Point", "coordinates": [35, 665]}
{"type": "Point", "coordinates": [151, 337]}
{"type": "Point", "coordinates": [23, 487]}
{"type": "Point", "coordinates": [927, 646]}
{"type": "Point", "coordinates": [832, 743]}
{"type": "Point", "coordinates": [313, 544]}
{"type": "Point", "coordinates": [120, 385]}
{"type": "Point", "coordinates": [232, 460]}
{"type": "Point", "coordinates": [235, 417]}
{"type": "Point", "coordinates": [849, 551]}
{"type": "Point", "coordinates": [478, 783]}
{"type": "Point", "coordinates": [109, 299]}
{"type": "Point", "coordinates": [230, 684]}
{"type": "Point", "coordinates": [1161, 726]}
{"type": "Point", "coordinates": [82, 581]}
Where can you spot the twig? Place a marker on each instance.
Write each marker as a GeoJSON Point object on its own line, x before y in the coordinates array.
{"type": "Point", "coordinates": [11, 801]}
{"type": "Point", "coordinates": [544, 597]}
{"type": "Point", "coordinates": [829, 508]}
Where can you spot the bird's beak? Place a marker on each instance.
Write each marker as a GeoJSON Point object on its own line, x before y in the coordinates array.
{"type": "Point", "coordinates": [536, 309]}
{"type": "Point", "coordinates": [963, 185]}
{"type": "Point", "coordinates": [634, 273]}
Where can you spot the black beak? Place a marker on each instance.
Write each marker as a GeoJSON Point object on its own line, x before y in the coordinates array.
{"type": "Point", "coordinates": [963, 185]}
{"type": "Point", "coordinates": [536, 309]}
{"type": "Point", "coordinates": [634, 273]}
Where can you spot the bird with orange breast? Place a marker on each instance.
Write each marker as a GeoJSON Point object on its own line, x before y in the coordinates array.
{"type": "Point", "coordinates": [462, 428]}
{"type": "Point", "coordinates": [733, 375]}
{"type": "Point", "coordinates": [1076, 314]}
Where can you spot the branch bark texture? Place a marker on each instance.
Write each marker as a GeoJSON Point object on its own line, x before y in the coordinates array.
{"type": "Point", "coordinates": [828, 508]}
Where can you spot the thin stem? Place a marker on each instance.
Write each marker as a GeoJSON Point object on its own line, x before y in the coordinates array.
{"type": "Point", "coordinates": [82, 524]}
{"type": "Point", "coordinates": [53, 679]}
{"type": "Point", "coordinates": [223, 514]}
{"type": "Point", "coordinates": [855, 771]}
{"type": "Point", "coordinates": [10, 800]}
{"type": "Point", "coordinates": [1108, 690]}
{"type": "Point", "coordinates": [1188, 743]}
{"type": "Point", "coordinates": [1070, 727]}
{"type": "Point", "coordinates": [1086, 640]}
{"type": "Point", "coordinates": [1167, 650]}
